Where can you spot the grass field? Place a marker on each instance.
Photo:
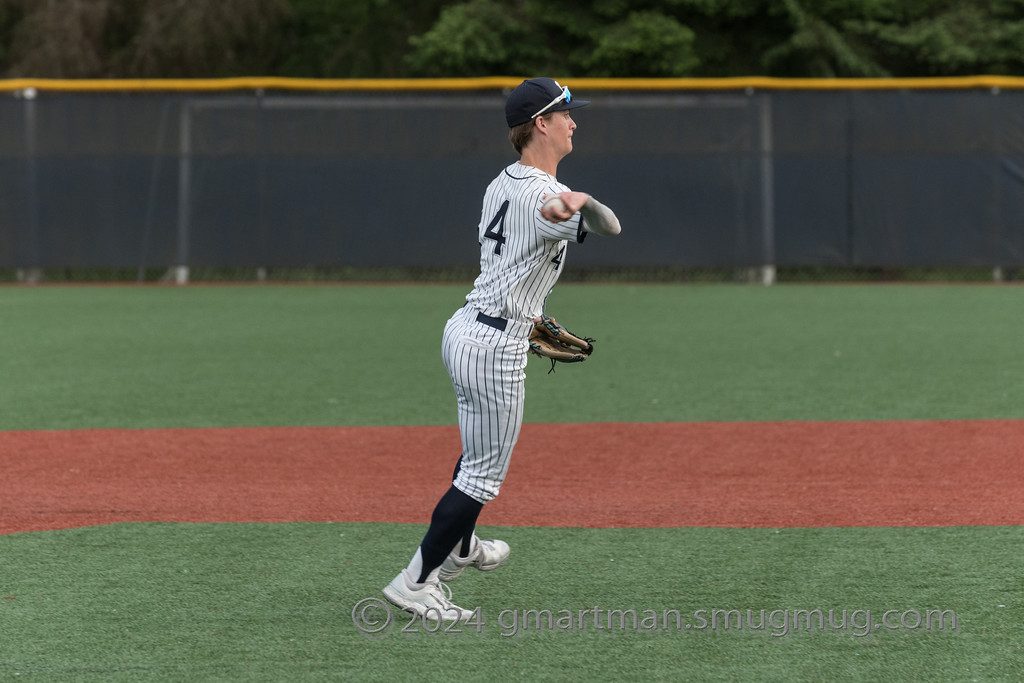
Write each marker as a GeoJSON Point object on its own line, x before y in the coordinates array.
{"type": "Point", "coordinates": [275, 602]}
{"type": "Point", "coordinates": [141, 357]}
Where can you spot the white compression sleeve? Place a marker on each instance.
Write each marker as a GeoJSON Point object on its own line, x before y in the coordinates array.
{"type": "Point", "coordinates": [599, 219]}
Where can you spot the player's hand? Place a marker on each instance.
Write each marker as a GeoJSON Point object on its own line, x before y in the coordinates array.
{"type": "Point", "coordinates": [571, 203]}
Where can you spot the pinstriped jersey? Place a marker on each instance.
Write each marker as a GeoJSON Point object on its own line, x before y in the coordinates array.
{"type": "Point", "coordinates": [521, 253]}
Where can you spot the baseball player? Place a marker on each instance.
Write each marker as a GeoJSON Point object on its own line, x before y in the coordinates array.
{"type": "Point", "coordinates": [484, 347]}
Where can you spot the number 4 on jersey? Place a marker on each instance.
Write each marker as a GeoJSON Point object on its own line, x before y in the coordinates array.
{"type": "Point", "coordinates": [558, 258]}
{"type": "Point", "coordinates": [498, 235]}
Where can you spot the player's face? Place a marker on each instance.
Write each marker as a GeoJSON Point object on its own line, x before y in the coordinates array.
{"type": "Point", "coordinates": [562, 127]}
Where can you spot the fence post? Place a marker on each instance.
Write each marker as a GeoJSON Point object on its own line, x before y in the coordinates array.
{"type": "Point", "coordinates": [767, 190]}
{"type": "Point", "coordinates": [181, 271]}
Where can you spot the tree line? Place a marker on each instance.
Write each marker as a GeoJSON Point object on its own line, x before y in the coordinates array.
{"type": "Point", "coordinates": [441, 38]}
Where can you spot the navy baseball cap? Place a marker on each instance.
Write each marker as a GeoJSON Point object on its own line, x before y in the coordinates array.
{"type": "Point", "coordinates": [537, 96]}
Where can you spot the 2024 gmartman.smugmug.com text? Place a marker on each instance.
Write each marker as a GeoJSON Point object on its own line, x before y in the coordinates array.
{"type": "Point", "coordinates": [373, 616]}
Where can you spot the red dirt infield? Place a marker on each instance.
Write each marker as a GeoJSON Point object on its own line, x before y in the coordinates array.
{"type": "Point", "coordinates": [782, 474]}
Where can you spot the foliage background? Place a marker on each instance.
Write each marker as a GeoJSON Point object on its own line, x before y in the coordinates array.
{"type": "Point", "coordinates": [436, 38]}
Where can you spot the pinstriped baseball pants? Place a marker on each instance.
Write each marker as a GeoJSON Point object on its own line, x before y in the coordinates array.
{"type": "Point", "coordinates": [487, 368]}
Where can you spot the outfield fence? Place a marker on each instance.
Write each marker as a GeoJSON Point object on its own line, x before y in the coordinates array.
{"type": "Point", "coordinates": [729, 179]}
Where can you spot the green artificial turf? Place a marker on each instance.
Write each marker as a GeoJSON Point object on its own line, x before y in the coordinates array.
{"type": "Point", "coordinates": [252, 602]}
{"type": "Point", "coordinates": [90, 357]}
{"type": "Point", "coordinates": [275, 602]}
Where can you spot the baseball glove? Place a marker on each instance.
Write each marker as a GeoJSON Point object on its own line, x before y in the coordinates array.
{"type": "Point", "coordinates": [552, 341]}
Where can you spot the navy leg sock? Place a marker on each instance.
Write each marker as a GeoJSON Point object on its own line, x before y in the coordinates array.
{"type": "Point", "coordinates": [453, 518]}
{"type": "Point", "coordinates": [467, 539]}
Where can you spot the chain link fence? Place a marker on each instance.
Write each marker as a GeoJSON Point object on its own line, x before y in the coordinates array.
{"type": "Point", "coordinates": [713, 182]}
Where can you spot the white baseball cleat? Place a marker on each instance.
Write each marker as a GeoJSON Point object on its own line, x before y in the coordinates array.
{"type": "Point", "coordinates": [433, 601]}
{"type": "Point", "coordinates": [485, 556]}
